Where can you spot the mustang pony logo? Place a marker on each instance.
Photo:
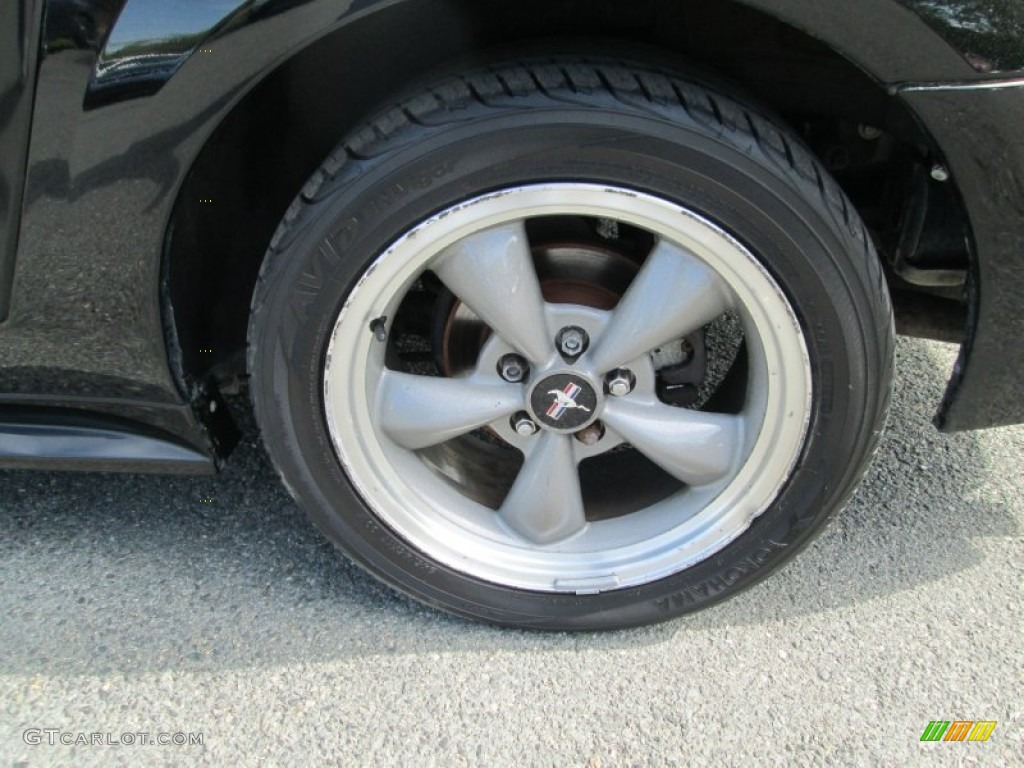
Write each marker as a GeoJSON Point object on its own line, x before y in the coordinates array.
{"type": "Point", "coordinates": [565, 399]}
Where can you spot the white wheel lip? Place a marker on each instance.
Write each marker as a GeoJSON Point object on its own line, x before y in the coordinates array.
{"type": "Point", "coordinates": [381, 473]}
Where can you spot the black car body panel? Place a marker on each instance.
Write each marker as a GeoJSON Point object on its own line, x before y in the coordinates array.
{"type": "Point", "coordinates": [127, 94]}
{"type": "Point", "coordinates": [988, 33]}
{"type": "Point", "coordinates": [36, 438]}
{"type": "Point", "coordinates": [979, 127]}
{"type": "Point", "coordinates": [19, 33]}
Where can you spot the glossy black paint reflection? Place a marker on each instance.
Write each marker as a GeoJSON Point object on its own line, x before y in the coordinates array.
{"type": "Point", "coordinates": [989, 33]}
{"type": "Point", "coordinates": [78, 24]}
{"type": "Point", "coordinates": [883, 37]}
{"type": "Point", "coordinates": [67, 440]}
{"type": "Point", "coordinates": [85, 321]}
{"type": "Point", "coordinates": [19, 27]}
{"type": "Point", "coordinates": [150, 42]}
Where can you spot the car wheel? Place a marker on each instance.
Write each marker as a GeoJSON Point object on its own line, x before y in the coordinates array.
{"type": "Point", "coordinates": [571, 344]}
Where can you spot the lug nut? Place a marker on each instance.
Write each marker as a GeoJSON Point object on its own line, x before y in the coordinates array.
{"type": "Point", "coordinates": [868, 132]}
{"type": "Point", "coordinates": [572, 341]}
{"type": "Point", "coordinates": [523, 425]}
{"type": "Point", "coordinates": [620, 382]}
{"type": "Point", "coordinates": [513, 368]}
{"type": "Point", "coordinates": [592, 434]}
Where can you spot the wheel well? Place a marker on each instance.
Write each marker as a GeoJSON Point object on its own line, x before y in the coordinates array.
{"type": "Point", "coordinates": [262, 153]}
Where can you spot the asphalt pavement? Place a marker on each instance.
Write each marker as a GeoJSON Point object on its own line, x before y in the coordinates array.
{"type": "Point", "coordinates": [207, 609]}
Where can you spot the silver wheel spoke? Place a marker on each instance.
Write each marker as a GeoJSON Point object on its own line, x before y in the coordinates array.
{"type": "Point", "coordinates": [492, 272]}
{"type": "Point", "coordinates": [693, 446]}
{"type": "Point", "coordinates": [418, 411]}
{"type": "Point", "coordinates": [545, 503]}
{"type": "Point", "coordinates": [673, 294]}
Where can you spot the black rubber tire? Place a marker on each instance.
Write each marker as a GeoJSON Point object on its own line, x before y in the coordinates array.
{"type": "Point", "coordinates": [575, 120]}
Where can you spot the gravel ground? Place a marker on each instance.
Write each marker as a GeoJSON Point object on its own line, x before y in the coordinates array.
{"type": "Point", "coordinates": [151, 604]}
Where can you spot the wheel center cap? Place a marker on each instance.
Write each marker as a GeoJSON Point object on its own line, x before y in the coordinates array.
{"type": "Point", "coordinates": [564, 402]}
